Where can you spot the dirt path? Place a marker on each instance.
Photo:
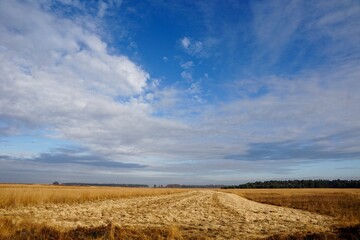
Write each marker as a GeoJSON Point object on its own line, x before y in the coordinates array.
{"type": "Point", "coordinates": [213, 214]}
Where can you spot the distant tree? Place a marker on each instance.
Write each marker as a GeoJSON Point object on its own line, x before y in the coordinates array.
{"type": "Point", "coordinates": [154, 185]}
{"type": "Point", "coordinates": [320, 183]}
{"type": "Point", "coordinates": [56, 183]}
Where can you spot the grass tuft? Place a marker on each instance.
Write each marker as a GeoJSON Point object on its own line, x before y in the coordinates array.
{"type": "Point", "coordinates": [29, 231]}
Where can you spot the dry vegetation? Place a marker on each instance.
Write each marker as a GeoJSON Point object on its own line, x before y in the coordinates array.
{"type": "Point", "coordinates": [343, 204]}
{"type": "Point", "coordinates": [22, 195]}
{"type": "Point", "coordinates": [18, 195]}
{"type": "Point", "coordinates": [26, 212]}
{"type": "Point", "coordinates": [27, 230]}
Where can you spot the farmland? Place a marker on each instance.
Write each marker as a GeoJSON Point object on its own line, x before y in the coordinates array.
{"type": "Point", "coordinates": [18, 195]}
{"type": "Point", "coordinates": [343, 204]}
{"type": "Point", "coordinates": [60, 212]}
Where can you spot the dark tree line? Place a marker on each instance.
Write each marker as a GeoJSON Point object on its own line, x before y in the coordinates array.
{"type": "Point", "coordinates": [300, 184]}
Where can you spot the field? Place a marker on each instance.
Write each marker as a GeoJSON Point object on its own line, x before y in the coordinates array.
{"type": "Point", "coordinates": [57, 212]}
{"type": "Point", "coordinates": [343, 204]}
{"type": "Point", "coordinates": [18, 195]}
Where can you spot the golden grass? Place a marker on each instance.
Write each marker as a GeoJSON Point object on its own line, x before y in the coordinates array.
{"type": "Point", "coordinates": [27, 230]}
{"type": "Point", "coordinates": [17, 195]}
{"type": "Point", "coordinates": [343, 204]}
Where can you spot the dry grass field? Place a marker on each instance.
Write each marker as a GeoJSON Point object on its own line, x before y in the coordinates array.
{"type": "Point", "coordinates": [18, 195]}
{"type": "Point", "coordinates": [66, 213]}
{"type": "Point", "coordinates": [344, 204]}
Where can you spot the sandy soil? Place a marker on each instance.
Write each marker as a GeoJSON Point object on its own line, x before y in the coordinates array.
{"type": "Point", "coordinates": [209, 213]}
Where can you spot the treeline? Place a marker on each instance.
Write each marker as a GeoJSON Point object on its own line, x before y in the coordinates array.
{"type": "Point", "coordinates": [300, 184]}
{"type": "Point", "coordinates": [103, 184]}
{"type": "Point", "coordinates": [138, 185]}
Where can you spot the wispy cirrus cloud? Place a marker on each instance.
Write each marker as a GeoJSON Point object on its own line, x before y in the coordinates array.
{"type": "Point", "coordinates": [305, 35]}
{"type": "Point", "coordinates": [192, 47]}
{"type": "Point", "coordinates": [325, 148]}
{"type": "Point", "coordinates": [197, 48]}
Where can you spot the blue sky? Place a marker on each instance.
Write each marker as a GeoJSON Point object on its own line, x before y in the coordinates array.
{"type": "Point", "coordinates": [190, 92]}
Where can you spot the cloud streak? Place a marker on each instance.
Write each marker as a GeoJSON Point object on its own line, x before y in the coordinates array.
{"type": "Point", "coordinates": [64, 156]}
{"type": "Point", "coordinates": [309, 150]}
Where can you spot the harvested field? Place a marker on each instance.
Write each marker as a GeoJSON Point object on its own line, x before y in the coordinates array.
{"type": "Point", "coordinates": [195, 214]}
{"type": "Point", "coordinates": [343, 204]}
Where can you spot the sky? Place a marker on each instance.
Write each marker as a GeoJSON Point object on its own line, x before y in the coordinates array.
{"type": "Point", "coordinates": [187, 92]}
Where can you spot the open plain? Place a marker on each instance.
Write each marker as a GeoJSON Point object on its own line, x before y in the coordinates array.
{"type": "Point", "coordinates": [209, 214]}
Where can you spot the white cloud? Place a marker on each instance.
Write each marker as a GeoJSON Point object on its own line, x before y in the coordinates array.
{"type": "Point", "coordinates": [106, 7]}
{"type": "Point", "coordinates": [102, 9]}
{"type": "Point", "coordinates": [195, 88]}
{"type": "Point", "coordinates": [185, 42]}
{"type": "Point", "coordinates": [197, 47]}
{"type": "Point", "coordinates": [74, 3]}
{"type": "Point", "coordinates": [187, 65]}
{"type": "Point", "coordinates": [194, 48]}
{"type": "Point", "coordinates": [186, 75]}
{"type": "Point", "coordinates": [58, 74]}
